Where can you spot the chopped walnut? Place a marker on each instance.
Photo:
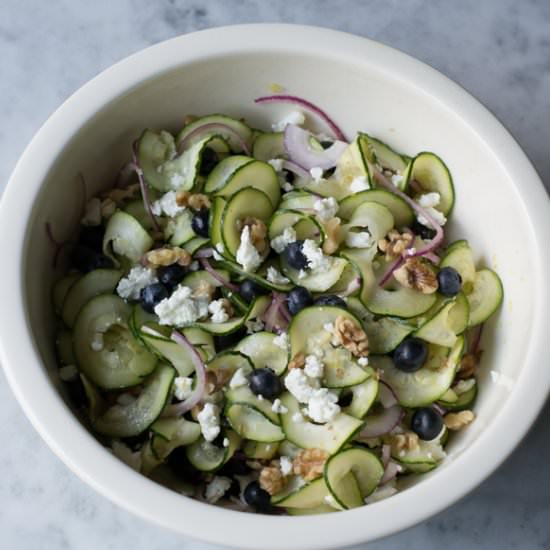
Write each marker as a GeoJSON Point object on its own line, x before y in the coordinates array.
{"type": "Point", "coordinates": [108, 207]}
{"type": "Point", "coordinates": [196, 201]}
{"type": "Point", "coordinates": [297, 362]}
{"type": "Point", "coordinates": [258, 232]}
{"type": "Point", "coordinates": [404, 442]}
{"type": "Point", "coordinates": [167, 256]}
{"type": "Point", "coordinates": [121, 195]}
{"type": "Point", "coordinates": [217, 379]}
{"type": "Point", "coordinates": [458, 420]}
{"type": "Point", "coordinates": [310, 463]}
{"type": "Point", "coordinates": [272, 479]}
{"type": "Point", "coordinates": [204, 290]}
{"type": "Point", "coordinates": [334, 235]}
{"type": "Point", "coordinates": [468, 365]}
{"type": "Point", "coordinates": [395, 244]}
{"type": "Point", "coordinates": [416, 273]}
{"type": "Point", "coordinates": [351, 336]}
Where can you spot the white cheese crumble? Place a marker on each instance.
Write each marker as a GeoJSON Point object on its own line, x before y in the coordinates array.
{"type": "Point", "coordinates": [281, 341]}
{"type": "Point", "coordinates": [180, 309]}
{"type": "Point", "coordinates": [183, 387]}
{"type": "Point", "coordinates": [315, 257]}
{"type": "Point", "coordinates": [363, 361]}
{"type": "Point", "coordinates": [238, 379]}
{"type": "Point", "coordinates": [313, 367]}
{"type": "Point", "coordinates": [92, 213]}
{"type": "Point", "coordinates": [381, 493]}
{"type": "Point", "coordinates": [225, 442]}
{"type": "Point", "coordinates": [285, 464]}
{"type": "Point", "coordinates": [317, 174]}
{"type": "Point", "coordinates": [297, 417]}
{"type": "Point", "coordinates": [96, 342]}
{"type": "Point", "coordinates": [276, 164]}
{"type": "Point", "coordinates": [396, 179]}
{"type": "Point", "coordinates": [68, 373]}
{"type": "Point", "coordinates": [209, 421]}
{"type": "Point", "coordinates": [326, 208]}
{"type": "Point", "coordinates": [278, 407]}
{"type": "Point", "coordinates": [280, 242]}
{"type": "Point", "coordinates": [217, 311]}
{"type": "Point", "coordinates": [138, 278]}
{"type": "Point", "coordinates": [463, 386]}
{"type": "Point", "coordinates": [247, 255]}
{"type": "Point", "coordinates": [358, 184]}
{"type": "Point", "coordinates": [216, 489]}
{"type": "Point", "coordinates": [429, 201]}
{"type": "Point", "coordinates": [302, 274]}
{"type": "Point", "coordinates": [358, 240]}
{"type": "Point", "coordinates": [167, 205]}
{"type": "Point", "coordinates": [294, 117]}
{"type": "Point", "coordinates": [328, 327]}
{"type": "Point", "coordinates": [322, 406]}
{"type": "Point", "coordinates": [276, 277]}
{"type": "Point", "coordinates": [218, 251]}
{"type": "Point", "coordinates": [298, 384]}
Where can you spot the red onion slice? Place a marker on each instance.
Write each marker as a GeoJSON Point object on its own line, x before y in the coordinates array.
{"type": "Point", "coordinates": [386, 454]}
{"type": "Point", "coordinates": [214, 126]}
{"type": "Point", "coordinates": [274, 318]}
{"type": "Point", "coordinates": [390, 472]}
{"type": "Point", "coordinates": [383, 423]}
{"type": "Point", "coordinates": [386, 395]}
{"type": "Point", "coordinates": [293, 167]}
{"type": "Point", "coordinates": [298, 147]}
{"type": "Point", "coordinates": [200, 371]}
{"type": "Point", "coordinates": [124, 175]}
{"type": "Point", "coordinates": [143, 188]}
{"type": "Point", "coordinates": [305, 104]}
{"type": "Point", "coordinates": [222, 280]}
{"type": "Point", "coordinates": [441, 410]}
{"type": "Point", "coordinates": [433, 257]}
{"type": "Point", "coordinates": [204, 253]}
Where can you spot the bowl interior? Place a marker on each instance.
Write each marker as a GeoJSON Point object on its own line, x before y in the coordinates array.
{"type": "Point", "coordinates": [489, 211]}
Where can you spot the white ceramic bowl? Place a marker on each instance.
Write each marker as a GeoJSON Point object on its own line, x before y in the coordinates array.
{"type": "Point", "coordinates": [501, 208]}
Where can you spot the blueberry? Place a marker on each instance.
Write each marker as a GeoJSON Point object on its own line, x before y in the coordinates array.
{"type": "Point", "coordinates": [331, 300]}
{"type": "Point", "coordinates": [235, 466]}
{"type": "Point", "coordinates": [178, 462]}
{"type": "Point", "coordinates": [345, 399]}
{"type": "Point", "coordinates": [289, 176]}
{"type": "Point", "coordinates": [257, 497]}
{"type": "Point", "coordinates": [225, 341]}
{"type": "Point", "coordinates": [77, 393]}
{"type": "Point", "coordinates": [85, 259]}
{"type": "Point", "coordinates": [250, 290]}
{"type": "Point", "coordinates": [410, 354]}
{"type": "Point", "coordinates": [151, 295]}
{"type": "Point", "coordinates": [325, 144]}
{"type": "Point", "coordinates": [92, 237]}
{"type": "Point", "coordinates": [200, 223]}
{"type": "Point", "coordinates": [171, 275]}
{"type": "Point", "coordinates": [329, 172]}
{"type": "Point", "coordinates": [265, 382]}
{"type": "Point", "coordinates": [426, 233]}
{"type": "Point", "coordinates": [208, 161]}
{"type": "Point", "coordinates": [294, 256]}
{"type": "Point", "coordinates": [426, 423]}
{"type": "Point", "coordinates": [449, 281]}
{"type": "Point", "coordinates": [298, 298]}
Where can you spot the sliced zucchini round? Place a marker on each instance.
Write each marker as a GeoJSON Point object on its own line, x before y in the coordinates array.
{"type": "Point", "coordinates": [124, 236]}
{"type": "Point", "coordinates": [377, 218]}
{"type": "Point", "coordinates": [250, 423]}
{"type": "Point", "coordinates": [133, 419]}
{"type": "Point", "coordinates": [422, 458]}
{"type": "Point", "coordinates": [244, 396]}
{"type": "Point", "coordinates": [215, 224]}
{"type": "Point", "coordinates": [179, 230]}
{"type": "Point", "coordinates": [261, 350]}
{"type": "Point", "coordinates": [225, 170]}
{"type": "Point", "coordinates": [99, 281]}
{"type": "Point", "coordinates": [256, 277]}
{"type": "Point", "coordinates": [426, 385]}
{"type": "Point", "coordinates": [341, 369]}
{"type": "Point", "coordinates": [353, 474]}
{"type": "Point", "coordinates": [386, 333]}
{"type": "Point", "coordinates": [317, 281]}
{"type": "Point", "coordinates": [298, 200]}
{"type": "Point", "coordinates": [137, 211]}
{"type": "Point", "coordinates": [363, 397]}
{"type": "Point", "coordinates": [306, 227]}
{"type": "Point", "coordinates": [61, 288]}
{"type": "Point", "coordinates": [485, 297]}
{"type": "Point", "coordinates": [229, 362]}
{"type": "Point", "coordinates": [256, 450]}
{"type": "Point", "coordinates": [459, 256]}
{"type": "Point", "coordinates": [384, 155]}
{"type": "Point", "coordinates": [64, 347]}
{"type": "Point", "coordinates": [460, 402]}
{"type": "Point", "coordinates": [207, 457]}
{"type": "Point", "coordinates": [122, 361]}
{"type": "Point", "coordinates": [269, 146]}
{"type": "Point", "coordinates": [302, 496]}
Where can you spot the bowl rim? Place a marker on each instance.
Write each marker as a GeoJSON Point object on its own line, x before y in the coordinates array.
{"type": "Point", "coordinates": [95, 465]}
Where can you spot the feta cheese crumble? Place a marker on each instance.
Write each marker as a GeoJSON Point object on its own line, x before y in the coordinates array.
{"type": "Point", "coordinates": [429, 201]}
{"type": "Point", "coordinates": [280, 242]}
{"type": "Point", "coordinates": [358, 184]}
{"type": "Point", "coordinates": [138, 278]}
{"type": "Point", "coordinates": [363, 361]}
{"type": "Point", "coordinates": [68, 373]}
{"type": "Point", "coordinates": [285, 464]}
{"type": "Point", "coordinates": [238, 379]}
{"type": "Point", "coordinates": [396, 179]}
{"type": "Point", "coordinates": [217, 488]}
{"type": "Point", "coordinates": [180, 309]}
{"type": "Point", "coordinates": [315, 257]}
{"type": "Point", "coordinates": [358, 240]}
{"type": "Point", "coordinates": [313, 367]}
{"type": "Point", "coordinates": [167, 205]}
{"type": "Point", "coordinates": [294, 117]}
{"type": "Point", "coordinates": [326, 208]}
{"type": "Point", "coordinates": [297, 417]}
{"type": "Point", "coordinates": [317, 174]}
{"type": "Point", "coordinates": [322, 406]}
{"type": "Point", "coordinates": [281, 341]}
{"type": "Point", "coordinates": [463, 386]}
{"type": "Point", "coordinates": [278, 407]}
{"type": "Point", "coordinates": [225, 442]}
{"type": "Point", "coordinates": [217, 311]}
{"type": "Point", "coordinates": [276, 277]}
{"type": "Point", "coordinates": [209, 421]}
{"type": "Point", "coordinates": [297, 383]}
{"type": "Point", "coordinates": [276, 164]}
{"type": "Point", "coordinates": [183, 387]}
{"type": "Point", "coordinates": [247, 255]}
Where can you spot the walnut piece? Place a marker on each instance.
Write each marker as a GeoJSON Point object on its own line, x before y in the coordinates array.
{"type": "Point", "coordinates": [468, 365]}
{"type": "Point", "coordinates": [416, 273]}
{"type": "Point", "coordinates": [108, 207]}
{"type": "Point", "coordinates": [334, 235]}
{"type": "Point", "coordinates": [351, 336]}
{"type": "Point", "coordinates": [196, 201]}
{"type": "Point", "coordinates": [297, 362]}
{"type": "Point", "coordinates": [395, 244]}
{"type": "Point", "coordinates": [217, 379]}
{"type": "Point", "coordinates": [310, 463]}
{"type": "Point", "coordinates": [272, 479]}
{"type": "Point", "coordinates": [167, 256]}
{"type": "Point", "coordinates": [258, 232]}
{"type": "Point", "coordinates": [404, 442]}
{"type": "Point", "coordinates": [204, 290]}
{"type": "Point", "coordinates": [458, 420]}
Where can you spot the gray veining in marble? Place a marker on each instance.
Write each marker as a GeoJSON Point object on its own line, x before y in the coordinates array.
{"type": "Point", "coordinates": [497, 49]}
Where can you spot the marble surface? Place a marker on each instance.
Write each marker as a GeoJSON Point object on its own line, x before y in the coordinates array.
{"type": "Point", "coordinates": [498, 49]}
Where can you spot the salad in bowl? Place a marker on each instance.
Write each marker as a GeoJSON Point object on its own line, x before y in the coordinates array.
{"type": "Point", "coordinates": [272, 319]}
